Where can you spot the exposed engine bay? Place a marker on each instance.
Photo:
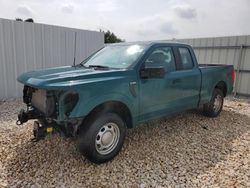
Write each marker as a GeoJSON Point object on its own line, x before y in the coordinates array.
{"type": "Point", "coordinates": [51, 109]}
{"type": "Point", "coordinates": [44, 101]}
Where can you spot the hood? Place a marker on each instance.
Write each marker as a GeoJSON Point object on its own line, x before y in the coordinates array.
{"type": "Point", "coordinates": [67, 76]}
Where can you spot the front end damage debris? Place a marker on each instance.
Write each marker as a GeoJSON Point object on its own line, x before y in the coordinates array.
{"type": "Point", "coordinates": [24, 116]}
{"type": "Point", "coordinates": [40, 130]}
{"type": "Point", "coordinates": [43, 105]}
{"type": "Point", "coordinates": [38, 105]}
{"type": "Point", "coordinates": [42, 127]}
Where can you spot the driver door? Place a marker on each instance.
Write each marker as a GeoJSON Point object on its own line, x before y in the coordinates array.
{"type": "Point", "coordinates": [159, 96]}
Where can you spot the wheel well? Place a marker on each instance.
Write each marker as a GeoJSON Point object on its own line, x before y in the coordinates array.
{"type": "Point", "coordinates": [112, 106]}
{"type": "Point", "coordinates": [222, 86]}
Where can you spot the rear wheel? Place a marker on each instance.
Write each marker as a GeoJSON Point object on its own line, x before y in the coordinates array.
{"type": "Point", "coordinates": [214, 107]}
{"type": "Point", "coordinates": [102, 137]}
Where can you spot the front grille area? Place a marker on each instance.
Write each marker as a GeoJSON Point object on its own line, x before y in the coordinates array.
{"type": "Point", "coordinates": [38, 100]}
{"type": "Point", "coordinates": [44, 101]}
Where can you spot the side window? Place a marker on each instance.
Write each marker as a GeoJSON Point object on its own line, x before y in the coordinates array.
{"type": "Point", "coordinates": [161, 57]}
{"type": "Point", "coordinates": [186, 60]}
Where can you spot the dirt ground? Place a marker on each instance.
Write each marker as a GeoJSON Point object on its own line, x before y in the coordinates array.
{"type": "Point", "coordinates": [187, 150]}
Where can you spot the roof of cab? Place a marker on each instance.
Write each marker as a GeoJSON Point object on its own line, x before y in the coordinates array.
{"type": "Point", "coordinates": [148, 43]}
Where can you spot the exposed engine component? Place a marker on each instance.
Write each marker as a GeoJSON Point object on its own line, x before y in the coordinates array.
{"type": "Point", "coordinates": [24, 116]}
{"type": "Point", "coordinates": [40, 131]}
{"type": "Point", "coordinates": [44, 101]}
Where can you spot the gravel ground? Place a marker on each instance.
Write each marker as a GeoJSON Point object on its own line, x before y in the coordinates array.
{"type": "Point", "coordinates": [187, 150]}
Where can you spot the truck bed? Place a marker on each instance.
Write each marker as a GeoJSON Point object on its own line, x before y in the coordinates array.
{"type": "Point", "coordinates": [212, 65]}
{"type": "Point", "coordinates": [213, 74]}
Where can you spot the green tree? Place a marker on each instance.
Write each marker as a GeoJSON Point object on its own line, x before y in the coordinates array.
{"type": "Point", "coordinates": [110, 37]}
{"type": "Point", "coordinates": [19, 19]}
{"type": "Point", "coordinates": [27, 20]}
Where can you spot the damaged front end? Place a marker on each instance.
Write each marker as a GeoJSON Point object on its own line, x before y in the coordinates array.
{"type": "Point", "coordinates": [52, 109]}
{"type": "Point", "coordinates": [40, 104]}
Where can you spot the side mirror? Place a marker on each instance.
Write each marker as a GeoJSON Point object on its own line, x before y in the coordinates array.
{"type": "Point", "coordinates": [152, 73]}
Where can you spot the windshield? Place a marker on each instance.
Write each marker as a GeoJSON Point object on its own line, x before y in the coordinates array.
{"type": "Point", "coordinates": [115, 56]}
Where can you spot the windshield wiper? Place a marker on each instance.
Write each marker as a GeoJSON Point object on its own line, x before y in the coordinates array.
{"type": "Point", "coordinates": [99, 66]}
{"type": "Point", "coordinates": [81, 65]}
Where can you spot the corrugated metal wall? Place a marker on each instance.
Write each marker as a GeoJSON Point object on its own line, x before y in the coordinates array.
{"type": "Point", "coordinates": [30, 46]}
{"type": "Point", "coordinates": [233, 50]}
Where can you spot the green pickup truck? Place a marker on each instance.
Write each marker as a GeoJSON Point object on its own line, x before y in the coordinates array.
{"type": "Point", "coordinates": [121, 86]}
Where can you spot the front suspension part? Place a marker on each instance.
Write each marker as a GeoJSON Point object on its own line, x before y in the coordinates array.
{"type": "Point", "coordinates": [24, 116]}
{"type": "Point", "coordinates": [40, 131]}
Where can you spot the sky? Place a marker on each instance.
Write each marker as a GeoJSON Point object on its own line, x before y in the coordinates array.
{"type": "Point", "coordinates": [139, 20]}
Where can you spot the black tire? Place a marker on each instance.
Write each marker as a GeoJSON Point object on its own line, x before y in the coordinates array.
{"type": "Point", "coordinates": [90, 132]}
{"type": "Point", "coordinates": [211, 109]}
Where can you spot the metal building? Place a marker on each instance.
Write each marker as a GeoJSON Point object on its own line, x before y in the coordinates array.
{"type": "Point", "coordinates": [28, 46]}
{"type": "Point", "coordinates": [233, 50]}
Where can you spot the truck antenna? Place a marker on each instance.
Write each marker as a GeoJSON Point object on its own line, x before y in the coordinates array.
{"type": "Point", "coordinates": [74, 62]}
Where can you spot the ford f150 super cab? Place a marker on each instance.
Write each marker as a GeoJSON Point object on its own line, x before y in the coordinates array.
{"type": "Point", "coordinates": [118, 87]}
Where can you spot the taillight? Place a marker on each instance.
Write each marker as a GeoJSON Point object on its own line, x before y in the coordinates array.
{"type": "Point", "coordinates": [233, 74]}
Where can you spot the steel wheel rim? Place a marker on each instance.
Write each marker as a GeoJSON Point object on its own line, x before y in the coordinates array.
{"type": "Point", "coordinates": [217, 103]}
{"type": "Point", "coordinates": [107, 138]}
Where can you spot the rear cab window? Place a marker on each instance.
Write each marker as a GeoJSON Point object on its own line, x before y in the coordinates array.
{"type": "Point", "coordinates": [186, 61]}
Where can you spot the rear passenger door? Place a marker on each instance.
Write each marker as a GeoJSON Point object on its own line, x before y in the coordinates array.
{"type": "Point", "coordinates": [189, 78]}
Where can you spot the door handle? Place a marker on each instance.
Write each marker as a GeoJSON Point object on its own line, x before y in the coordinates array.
{"type": "Point", "coordinates": [176, 81]}
{"type": "Point", "coordinates": [132, 88]}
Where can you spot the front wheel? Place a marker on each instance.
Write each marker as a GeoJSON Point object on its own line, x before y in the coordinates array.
{"type": "Point", "coordinates": [102, 137]}
{"type": "Point", "coordinates": [214, 107]}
